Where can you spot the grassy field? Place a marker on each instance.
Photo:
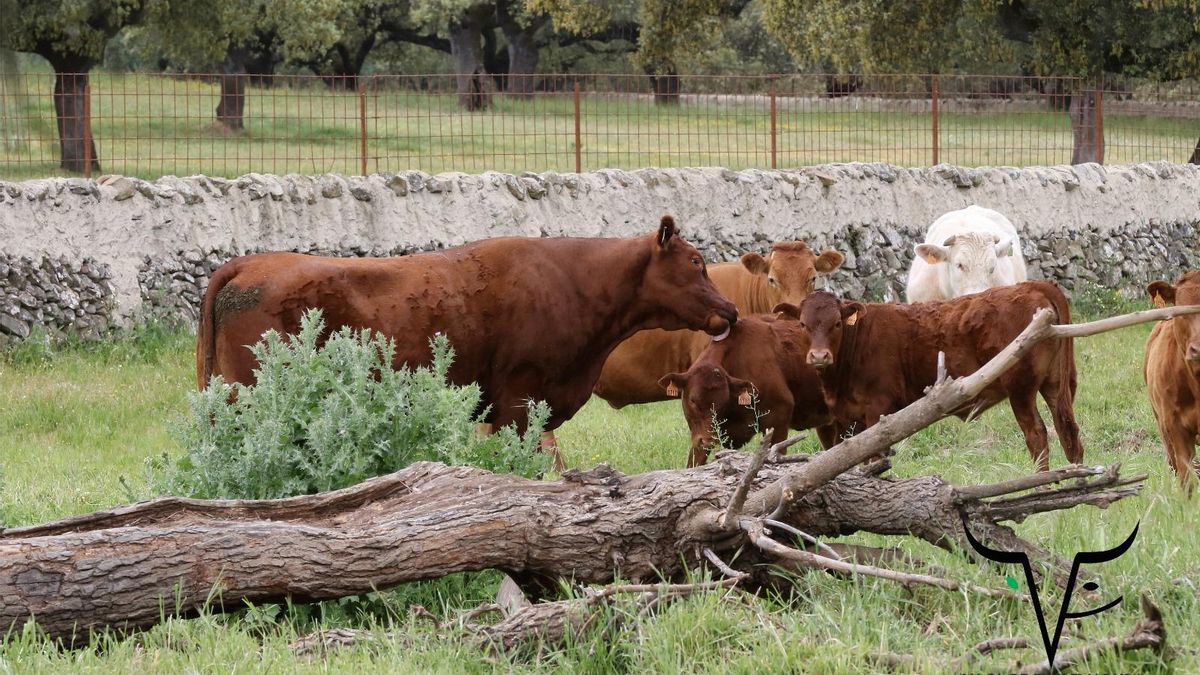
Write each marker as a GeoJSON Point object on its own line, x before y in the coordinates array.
{"type": "Point", "coordinates": [150, 126]}
{"type": "Point", "coordinates": [76, 427]}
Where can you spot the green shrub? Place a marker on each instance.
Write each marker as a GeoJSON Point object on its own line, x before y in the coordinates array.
{"type": "Point", "coordinates": [325, 417]}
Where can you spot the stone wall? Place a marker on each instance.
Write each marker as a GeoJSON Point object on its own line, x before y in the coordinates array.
{"type": "Point", "coordinates": [80, 255]}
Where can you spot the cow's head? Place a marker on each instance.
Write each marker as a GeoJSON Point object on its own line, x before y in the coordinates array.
{"type": "Point", "coordinates": [677, 287]}
{"type": "Point", "coordinates": [1186, 291]}
{"type": "Point", "coordinates": [791, 270]}
{"type": "Point", "coordinates": [969, 261]}
{"type": "Point", "coordinates": [709, 392]}
{"type": "Point", "coordinates": [824, 317]}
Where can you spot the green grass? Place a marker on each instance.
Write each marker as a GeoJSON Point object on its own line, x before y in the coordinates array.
{"type": "Point", "coordinates": [74, 422]}
{"type": "Point", "coordinates": [150, 126]}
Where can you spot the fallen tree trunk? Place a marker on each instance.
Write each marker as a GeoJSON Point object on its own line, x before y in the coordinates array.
{"type": "Point", "coordinates": [117, 569]}
{"type": "Point", "coordinates": [129, 567]}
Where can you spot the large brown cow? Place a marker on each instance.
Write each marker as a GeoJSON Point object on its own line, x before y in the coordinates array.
{"type": "Point", "coordinates": [528, 318]}
{"type": "Point", "coordinates": [762, 359]}
{"type": "Point", "coordinates": [755, 284]}
{"type": "Point", "coordinates": [1172, 372]}
{"type": "Point", "coordinates": [875, 359]}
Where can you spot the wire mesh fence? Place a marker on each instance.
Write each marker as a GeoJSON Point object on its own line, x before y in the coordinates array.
{"type": "Point", "coordinates": [156, 124]}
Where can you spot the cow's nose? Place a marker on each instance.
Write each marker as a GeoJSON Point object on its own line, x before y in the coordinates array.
{"type": "Point", "coordinates": [1193, 352]}
{"type": "Point", "coordinates": [820, 358]}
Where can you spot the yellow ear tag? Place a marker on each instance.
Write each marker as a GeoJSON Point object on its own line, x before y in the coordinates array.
{"type": "Point", "coordinates": [852, 320]}
{"type": "Point", "coordinates": [1158, 300]}
{"type": "Point", "coordinates": [744, 398]}
{"type": "Point", "coordinates": [672, 390]}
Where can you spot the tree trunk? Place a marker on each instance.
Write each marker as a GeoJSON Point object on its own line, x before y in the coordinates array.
{"type": "Point", "coordinates": [522, 57]}
{"type": "Point", "coordinates": [466, 50]}
{"type": "Point", "coordinates": [70, 108]}
{"type": "Point", "coordinates": [231, 107]}
{"type": "Point", "coordinates": [116, 569]}
{"type": "Point", "coordinates": [666, 87]}
{"type": "Point", "coordinates": [1195, 159]}
{"type": "Point", "coordinates": [1085, 147]}
{"type": "Point", "coordinates": [836, 86]}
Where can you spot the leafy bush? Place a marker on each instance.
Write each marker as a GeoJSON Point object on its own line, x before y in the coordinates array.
{"type": "Point", "coordinates": [325, 417]}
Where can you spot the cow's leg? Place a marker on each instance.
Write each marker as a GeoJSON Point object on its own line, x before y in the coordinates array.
{"type": "Point", "coordinates": [1024, 407]}
{"type": "Point", "coordinates": [548, 443]}
{"type": "Point", "coordinates": [829, 435]}
{"type": "Point", "coordinates": [1059, 399]}
{"type": "Point", "coordinates": [1180, 445]}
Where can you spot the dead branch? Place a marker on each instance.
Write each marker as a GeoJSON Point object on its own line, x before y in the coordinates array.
{"type": "Point", "coordinates": [728, 519]}
{"type": "Point", "coordinates": [774, 548]}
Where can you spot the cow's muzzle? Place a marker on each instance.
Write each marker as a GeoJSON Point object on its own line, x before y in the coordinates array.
{"type": "Point", "coordinates": [1193, 352]}
{"type": "Point", "coordinates": [719, 323]}
{"type": "Point", "coordinates": [820, 358]}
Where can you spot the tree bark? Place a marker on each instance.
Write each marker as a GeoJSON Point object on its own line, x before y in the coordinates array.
{"type": "Point", "coordinates": [666, 87]}
{"type": "Point", "coordinates": [522, 56]}
{"type": "Point", "coordinates": [231, 106]}
{"type": "Point", "coordinates": [1084, 119]}
{"type": "Point", "coordinates": [466, 50]}
{"type": "Point", "coordinates": [70, 113]}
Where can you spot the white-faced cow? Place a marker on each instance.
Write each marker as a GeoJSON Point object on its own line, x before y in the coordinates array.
{"type": "Point", "coordinates": [965, 251]}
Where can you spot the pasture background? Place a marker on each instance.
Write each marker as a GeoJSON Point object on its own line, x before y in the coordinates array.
{"type": "Point", "coordinates": [77, 425]}
{"type": "Point", "coordinates": [152, 125]}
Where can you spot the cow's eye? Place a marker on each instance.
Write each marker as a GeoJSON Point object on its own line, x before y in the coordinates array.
{"type": "Point", "coordinates": [772, 282]}
{"type": "Point", "coordinates": [961, 266]}
{"type": "Point", "coordinates": [697, 262]}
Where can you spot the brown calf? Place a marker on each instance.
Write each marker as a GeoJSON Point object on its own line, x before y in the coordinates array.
{"type": "Point", "coordinates": [755, 284]}
{"type": "Point", "coordinates": [875, 359]}
{"type": "Point", "coordinates": [1172, 373]}
{"type": "Point", "coordinates": [761, 362]}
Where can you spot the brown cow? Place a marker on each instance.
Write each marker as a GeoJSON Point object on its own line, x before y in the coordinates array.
{"type": "Point", "coordinates": [763, 358]}
{"type": "Point", "coordinates": [755, 284]}
{"type": "Point", "coordinates": [876, 359]}
{"type": "Point", "coordinates": [1172, 373]}
{"type": "Point", "coordinates": [528, 318]}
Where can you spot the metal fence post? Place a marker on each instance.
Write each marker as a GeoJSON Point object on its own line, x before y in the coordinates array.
{"type": "Point", "coordinates": [578, 153]}
{"type": "Point", "coordinates": [934, 98]}
{"type": "Point", "coordinates": [87, 130]}
{"type": "Point", "coordinates": [362, 126]}
{"type": "Point", "coordinates": [773, 136]}
{"type": "Point", "coordinates": [1099, 126]}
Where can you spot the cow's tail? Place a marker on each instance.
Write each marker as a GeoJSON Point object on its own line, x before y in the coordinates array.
{"type": "Point", "coordinates": [206, 333]}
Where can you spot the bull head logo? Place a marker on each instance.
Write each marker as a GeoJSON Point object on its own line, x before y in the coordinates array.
{"type": "Point", "coordinates": [1064, 613]}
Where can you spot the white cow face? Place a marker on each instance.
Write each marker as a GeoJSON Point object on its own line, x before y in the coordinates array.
{"type": "Point", "coordinates": [969, 262]}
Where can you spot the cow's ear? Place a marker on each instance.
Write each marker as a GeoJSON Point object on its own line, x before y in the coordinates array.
{"type": "Point", "coordinates": [851, 312]}
{"type": "Point", "coordinates": [666, 230]}
{"type": "Point", "coordinates": [1161, 293]}
{"type": "Point", "coordinates": [1004, 246]}
{"type": "Point", "coordinates": [786, 310]}
{"type": "Point", "coordinates": [932, 253]}
{"type": "Point", "coordinates": [755, 263]}
{"type": "Point", "coordinates": [743, 389]}
{"type": "Point", "coordinates": [828, 261]}
{"type": "Point", "coordinates": [673, 383]}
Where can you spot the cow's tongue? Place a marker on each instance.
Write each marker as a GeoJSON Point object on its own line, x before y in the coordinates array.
{"type": "Point", "coordinates": [724, 334]}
